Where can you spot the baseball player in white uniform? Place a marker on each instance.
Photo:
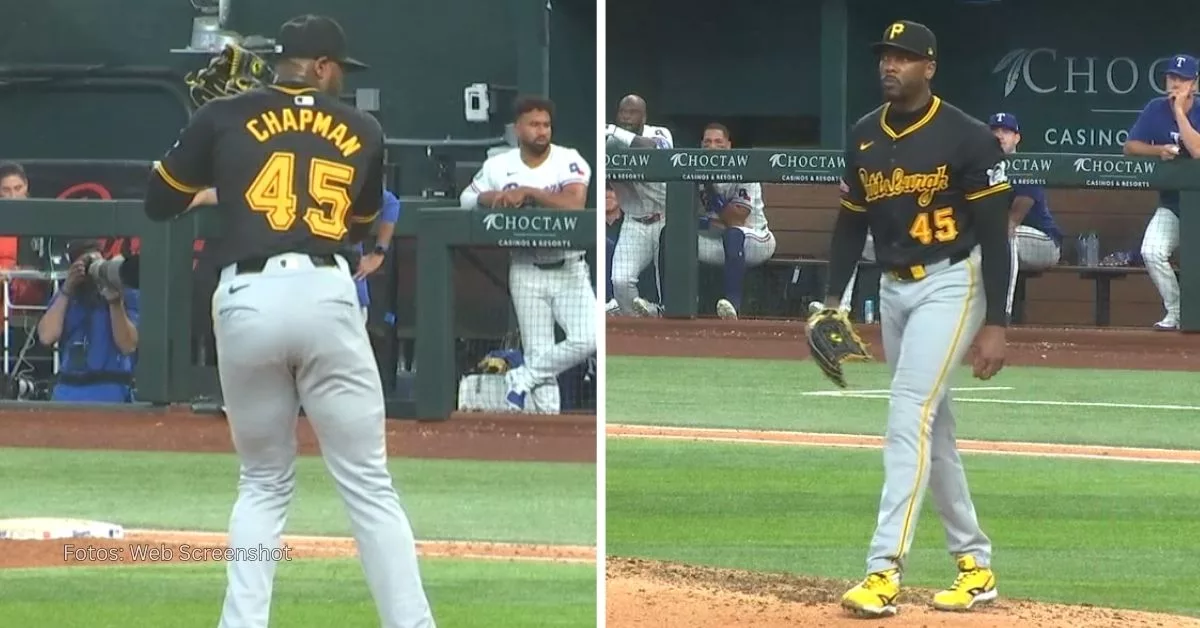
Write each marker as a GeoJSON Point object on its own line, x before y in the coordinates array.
{"type": "Point", "coordinates": [733, 229]}
{"type": "Point", "coordinates": [644, 204]}
{"type": "Point", "coordinates": [547, 286]}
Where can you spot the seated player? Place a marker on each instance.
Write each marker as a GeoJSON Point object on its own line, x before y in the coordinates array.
{"type": "Point", "coordinates": [733, 230]}
{"type": "Point", "coordinates": [1037, 241]}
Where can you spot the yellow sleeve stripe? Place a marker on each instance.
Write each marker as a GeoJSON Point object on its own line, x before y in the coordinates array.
{"type": "Point", "coordinates": [173, 182]}
{"type": "Point", "coordinates": [852, 207]}
{"type": "Point", "coordinates": [362, 219]}
{"type": "Point", "coordinates": [999, 187]}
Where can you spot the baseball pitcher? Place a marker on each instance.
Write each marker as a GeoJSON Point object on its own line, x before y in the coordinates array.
{"type": "Point", "coordinates": [929, 181]}
{"type": "Point", "coordinates": [299, 174]}
{"type": "Point", "coordinates": [547, 286]}
{"type": "Point", "coordinates": [644, 206]}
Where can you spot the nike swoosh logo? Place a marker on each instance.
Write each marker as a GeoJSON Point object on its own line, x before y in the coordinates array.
{"type": "Point", "coordinates": [865, 145]}
{"type": "Point", "coordinates": [233, 289]}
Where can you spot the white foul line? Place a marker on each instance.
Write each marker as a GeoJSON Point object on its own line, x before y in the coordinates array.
{"type": "Point", "coordinates": [873, 394]}
{"type": "Point", "coordinates": [883, 391]}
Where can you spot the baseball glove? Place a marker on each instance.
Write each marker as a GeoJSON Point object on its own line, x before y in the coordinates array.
{"type": "Point", "coordinates": [233, 71]}
{"type": "Point", "coordinates": [832, 341]}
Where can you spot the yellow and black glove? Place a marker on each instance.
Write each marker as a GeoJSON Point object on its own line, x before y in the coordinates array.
{"type": "Point", "coordinates": [832, 341]}
{"type": "Point", "coordinates": [233, 71]}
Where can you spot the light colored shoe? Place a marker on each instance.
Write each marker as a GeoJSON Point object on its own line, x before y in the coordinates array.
{"type": "Point", "coordinates": [1170, 323]}
{"type": "Point", "coordinates": [726, 310]}
{"type": "Point", "coordinates": [642, 307]}
{"type": "Point", "coordinates": [974, 585]}
{"type": "Point", "coordinates": [875, 596]}
{"type": "Point", "coordinates": [612, 308]}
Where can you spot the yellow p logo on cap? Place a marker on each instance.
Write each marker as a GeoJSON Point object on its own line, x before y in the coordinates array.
{"type": "Point", "coordinates": [894, 30]}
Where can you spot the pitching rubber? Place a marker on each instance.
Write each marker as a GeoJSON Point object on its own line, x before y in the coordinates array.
{"type": "Point", "coordinates": [46, 528]}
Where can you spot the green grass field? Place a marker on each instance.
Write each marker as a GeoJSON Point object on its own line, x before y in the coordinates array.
{"type": "Point", "coordinates": [307, 593]}
{"type": "Point", "coordinates": [446, 499]}
{"type": "Point", "coordinates": [768, 394]}
{"type": "Point", "coordinates": [1106, 533]}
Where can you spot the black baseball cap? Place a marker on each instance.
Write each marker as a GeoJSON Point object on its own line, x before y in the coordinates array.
{"type": "Point", "coordinates": [312, 37]}
{"type": "Point", "coordinates": [910, 37]}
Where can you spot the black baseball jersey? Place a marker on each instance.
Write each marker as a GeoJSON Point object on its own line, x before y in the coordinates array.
{"type": "Point", "coordinates": [914, 174]}
{"type": "Point", "coordinates": [294, 169]}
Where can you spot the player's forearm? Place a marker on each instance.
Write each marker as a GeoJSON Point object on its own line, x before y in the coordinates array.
{"type": "Point", "coordinates": [1188, 135]}
{"type": "Point", "coordinates": [734, 214]}
{"type": "Point", "coordinates": [558, 200]}
{"type": "Point", "coordinates": [1020, 208]}
{"type": "Point", "coordinates": [486, 199]}
{"type": "Point", "coordinates": [626, 138]}
{"type": "Point", "coordinates": [991, 220]}
{"type": "Point", "coordinates": [1135, 148]}
{"type": "Point", "coordinates": [384, 236]}
{"type": "Point", "coordinates": [125, 334]}
{"type": "Point", "coordinates": [849, 236]}
{"type": "Point", "coordinates": [164, 202]}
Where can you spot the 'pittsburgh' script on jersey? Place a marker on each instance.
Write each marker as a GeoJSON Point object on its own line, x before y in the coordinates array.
{"type": "Point", "coordinates": [923, 184]}
{"type": "Point", "coordinates": [287, 120]}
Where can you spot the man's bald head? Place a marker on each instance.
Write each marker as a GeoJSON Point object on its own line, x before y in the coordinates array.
{"type": "Point", "coordinates": [631, 113]}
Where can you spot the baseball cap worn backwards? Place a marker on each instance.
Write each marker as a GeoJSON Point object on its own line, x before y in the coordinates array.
{"type": "Point", "coordinates": [1004, 121]}
{"type": "Point", "coordinates": [313, 37]}
{"type": "Point", "coordinates": [1184, 66]}
{"type": "Point", "coordinates": [910, 37]}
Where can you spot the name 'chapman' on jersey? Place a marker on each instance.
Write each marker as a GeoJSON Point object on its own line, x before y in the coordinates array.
{"type": "Point", "coordinates": [304, 120]}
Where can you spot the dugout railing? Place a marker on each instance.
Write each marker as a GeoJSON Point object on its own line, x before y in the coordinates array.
{"type": "Point", "coordinates": [683, 169]}
{"type": "Point", "coordinates": [165, 371]}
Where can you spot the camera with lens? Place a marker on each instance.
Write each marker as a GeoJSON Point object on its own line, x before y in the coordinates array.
{"type": "Point", "coordinates": [106, 276]}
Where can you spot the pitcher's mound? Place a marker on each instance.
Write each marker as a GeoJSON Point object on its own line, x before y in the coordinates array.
{"type": "Point", "coordinates": [668, 595]}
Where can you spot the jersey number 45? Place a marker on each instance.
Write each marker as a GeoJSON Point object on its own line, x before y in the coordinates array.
{"type": "Point", "coordinates": [273, 193]}
{"type": "Point", "coordinates": [936, 225]}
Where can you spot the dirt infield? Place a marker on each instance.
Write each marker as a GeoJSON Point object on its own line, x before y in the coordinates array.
{"type": "Point", "coordinates": [857, 441]}
{"type": "Point", "coordinates": [1028, 346]}
{"type": "Point", "coordinates": [665, 595]}
{"type": "Point", "coordinates": [149, 547]}
{"type": "Point", "coordinates": [474, 436]}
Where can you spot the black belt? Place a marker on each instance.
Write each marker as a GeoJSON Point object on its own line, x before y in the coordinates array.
{"type": "Point", "coordinates": [919, 271]}
{"type": "Point", "coordinates": [647, 220]}
{"type": "Point", "coordinates": [552, 265]}
{"type": "Point", "coordinates": [257, 264]}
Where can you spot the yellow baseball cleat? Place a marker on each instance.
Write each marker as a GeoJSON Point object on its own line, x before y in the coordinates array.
{"type": "Point", "coordinates": [974, 585]}
{"type": "Point", "coordinates": [875, 596]}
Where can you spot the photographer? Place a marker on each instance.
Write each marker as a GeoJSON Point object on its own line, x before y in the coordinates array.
{"type": "Point", "coordinates": [95, 326]}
